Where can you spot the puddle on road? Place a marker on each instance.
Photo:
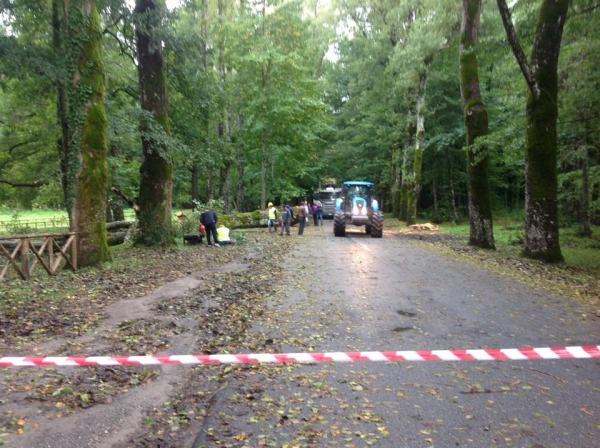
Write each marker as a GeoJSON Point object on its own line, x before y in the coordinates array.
{"type": "Point", "coordinates": [406, 313]}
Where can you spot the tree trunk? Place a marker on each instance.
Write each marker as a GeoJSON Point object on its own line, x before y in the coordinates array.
{"type": "Point", "coordinates": [195, 184]}
{"type": "Point", "coordinates": [418, 153]}
{"type": "Point", "coordinates": [541, 147]}
{"type": "Point", "coordinates": [62, 144]}
{"type": "Point", "coordinates": [263, 172]}
{"type": "Point", "coordinates": [206, 124]}
{"type": "Point", "coordinates": [118, 214]}
{"type": "Point", "coordinates": [241, 165]}
{"type": "Point", "coordinates": [396, 180]}
{"type": "Point", "coordinates": [156, 171]}
{"type": "Point", "coordinates": [88, 132]}
{"type": "Point", "coordinates": [435, 199]}
{"type": "Point", "coordinates": [452, 194]}
{"type": "Point", "coordinates": [585, 228]}
{"type": "Point", "coordinates": [476, 121]}
{"type": "Point", "coordinates": [406, 187]}
{"type": "Point", "coordinates": [210, 184]}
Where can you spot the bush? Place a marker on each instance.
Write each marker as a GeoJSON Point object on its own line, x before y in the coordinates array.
{"type": "Point", "coordinates": [16, 227]}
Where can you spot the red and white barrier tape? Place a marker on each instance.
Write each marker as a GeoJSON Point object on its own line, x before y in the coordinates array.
{"type": "Point", "coordinates": [505, 354]}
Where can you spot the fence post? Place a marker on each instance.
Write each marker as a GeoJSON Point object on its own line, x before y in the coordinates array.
{"type": "Point", "coordinates": [25, 258]}
{"type": "Point", "coordinates": [74, 250]}
{"type": "Point", "coordinates": [50, 249]}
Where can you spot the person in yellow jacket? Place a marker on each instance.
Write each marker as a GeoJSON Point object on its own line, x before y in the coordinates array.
{"type": "Point", "coordinates": [223, 235]}
{"type": "Point", "coordinates": [271, 222]}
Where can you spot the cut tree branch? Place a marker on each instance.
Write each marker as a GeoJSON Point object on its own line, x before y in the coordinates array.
{"type": "Point", "coordinates": [513, 41]}
{"type": "Point", "coordinates": [126, 198]}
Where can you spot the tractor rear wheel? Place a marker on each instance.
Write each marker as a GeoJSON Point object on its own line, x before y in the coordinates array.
{"type": "Point", "coordinates": [339, 224]}
{"type": "Point", "coordinates": [377, 225]}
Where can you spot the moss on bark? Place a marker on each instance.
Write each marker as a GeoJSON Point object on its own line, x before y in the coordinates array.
{"type": "Point", "coordinates": [541, 182]}
{"type": "Point", "coordinates": [88, 123]}
{"type": "Point", "coordinates": [476, 124]}
{"type": "Point", "coordinates": [156, 170]}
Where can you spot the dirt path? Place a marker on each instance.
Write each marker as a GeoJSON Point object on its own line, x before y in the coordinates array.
{"type": "Point", "coordinates": [104, 426]}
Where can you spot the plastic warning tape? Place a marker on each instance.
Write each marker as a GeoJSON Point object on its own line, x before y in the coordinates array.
{"type": "Point", "coordinates": [505, 354]}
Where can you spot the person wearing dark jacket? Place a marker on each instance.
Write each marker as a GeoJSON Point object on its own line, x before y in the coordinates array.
{"type": "Point", "coordinates": [209, 219]}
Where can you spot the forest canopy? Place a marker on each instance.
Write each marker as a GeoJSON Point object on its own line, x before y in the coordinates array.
{"type": "Point", "coordinates": [269, 100]}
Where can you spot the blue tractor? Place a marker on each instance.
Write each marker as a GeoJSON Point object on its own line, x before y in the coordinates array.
{"type": "Point", "coordinates": [357, 206]}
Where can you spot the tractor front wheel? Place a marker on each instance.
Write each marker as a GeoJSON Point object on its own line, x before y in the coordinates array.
{"type": "Point", "coordinates": [339, 224]}
{"type": "Point", "coordinates": [377, 225]}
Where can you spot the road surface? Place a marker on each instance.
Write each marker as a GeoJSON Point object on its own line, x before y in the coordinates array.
{"type": "Point", "coordinates": [359, 293]}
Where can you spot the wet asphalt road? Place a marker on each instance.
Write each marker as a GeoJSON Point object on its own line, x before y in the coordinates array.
{"type": "Point", "coordinates": [363, 294]}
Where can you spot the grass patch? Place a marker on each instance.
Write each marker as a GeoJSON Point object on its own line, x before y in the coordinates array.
{"type": "Point", "coordinates": [579, 252]}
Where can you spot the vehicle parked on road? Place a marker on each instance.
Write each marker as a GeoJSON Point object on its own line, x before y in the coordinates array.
{"type": "Point", "coordinates": [357, 206]}
{"type": "Point", "coordinates": [327, 199]}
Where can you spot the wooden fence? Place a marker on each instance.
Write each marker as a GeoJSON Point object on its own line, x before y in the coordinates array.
{"type": "Point", "coordinates": [15, 225]}
{"type": "Point", "coordinates": [24, 252]}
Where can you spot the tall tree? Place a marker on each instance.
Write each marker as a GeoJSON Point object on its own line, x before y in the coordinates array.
{"type": "Point", "coordinates": [476, 122]}
{"type": "Point", "coordinates": [61, 98]}
{"type": "Point", "coordinates": [156, 171]}
{"type": "Point", "coordinates": [87, 126]}
{"type": "Point", "coordinates": [541, 186]}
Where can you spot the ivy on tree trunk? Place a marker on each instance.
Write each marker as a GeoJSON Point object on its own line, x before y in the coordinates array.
{"type": "Point", "coordinates": [87, 127]}
{"type": "Point", "coordinates": [156, 170]}
{"type": "Point", "coordinates": [476, 122]}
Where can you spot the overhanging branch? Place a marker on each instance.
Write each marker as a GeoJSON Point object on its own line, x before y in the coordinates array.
{"type": "Point", "coordinates": [34, 184]}
{"type": "Point", "coordinates": [513, 41]}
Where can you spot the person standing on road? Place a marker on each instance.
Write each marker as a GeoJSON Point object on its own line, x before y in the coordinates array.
{"type": "Point", "coordinates": [209, 219]}
{"type": "Point", "coordinates": [272, 217]}
{"type": "Point", "coordinates": [319, 219]}
{"type": "Point", "coordinates": [286, 219]}
{"type": "Point", "coordinates": [314, 213]}
{"type": "Point", "coordinates": [302, 218]}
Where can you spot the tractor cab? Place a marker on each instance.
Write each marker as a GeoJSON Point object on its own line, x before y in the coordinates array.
{"type": "Point", "coordinates": [357, 206]}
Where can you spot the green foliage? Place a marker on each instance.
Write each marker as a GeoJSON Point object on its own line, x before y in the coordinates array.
{"type": "Point", "coordinates": [16, 227]}
{"type": "Point", "coordinates": [341, 116]}
{"type": "Point", "coordinates": [239, 236]}
{"type": "Point", "coordinates": [49, 196]}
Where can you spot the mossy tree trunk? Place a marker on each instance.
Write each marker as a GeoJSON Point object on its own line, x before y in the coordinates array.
{"type": "Point", "coordinates": [87, 127]}
{"type": "Point", "coordinates": [476, 122]}
{"type": "Point", "coordinates": [413, 197]}
{"type": "Point", "coordinates": [156, 171]}
{"type": "Point", "coordinates": [541, 148]}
